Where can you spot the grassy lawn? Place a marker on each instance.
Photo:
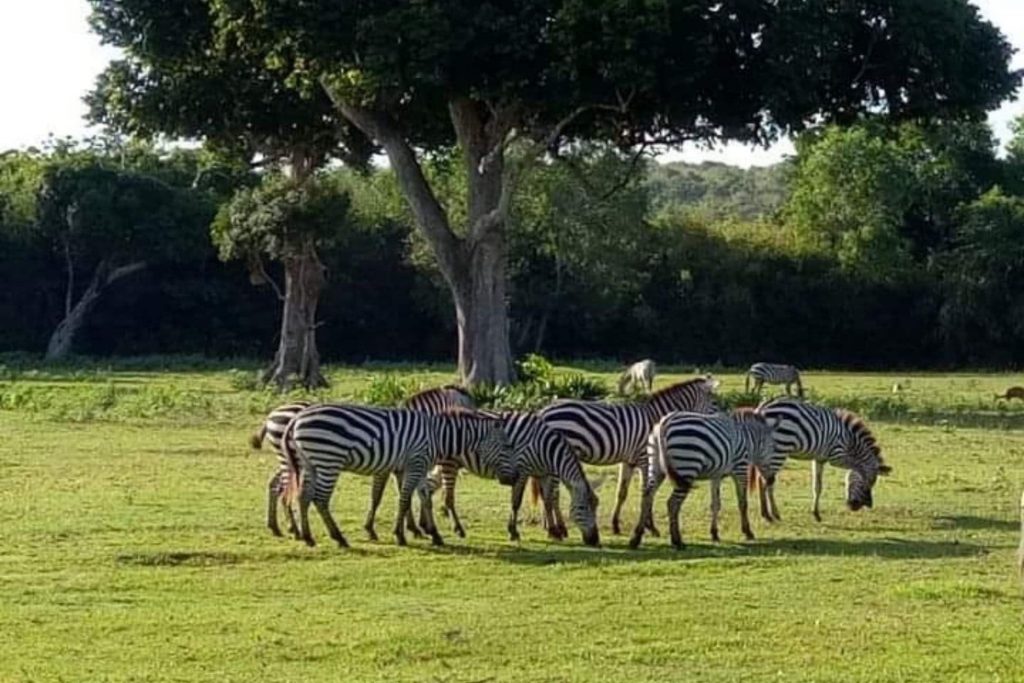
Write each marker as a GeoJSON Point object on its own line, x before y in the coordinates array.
{"type": "Point", "coordinates": [134, 550]}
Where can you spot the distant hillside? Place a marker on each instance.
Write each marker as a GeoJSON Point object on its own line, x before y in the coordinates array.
{"type": "Point", "coordinates": [719, 189]}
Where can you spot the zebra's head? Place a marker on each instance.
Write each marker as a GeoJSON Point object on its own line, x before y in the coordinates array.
{"type": "Point", "coordinates": [864, 458]}
{"type": "Point", "coordinates": [583, 509]}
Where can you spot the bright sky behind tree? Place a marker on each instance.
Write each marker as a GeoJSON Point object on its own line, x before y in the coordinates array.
{"type": "Point", "coordinates": [49, 59]}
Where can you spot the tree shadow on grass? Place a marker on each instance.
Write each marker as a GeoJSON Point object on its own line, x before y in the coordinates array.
{"type": "Point", "coordinates": [658, 550]}
{"type": "Point", "coordinates": [973, 523]}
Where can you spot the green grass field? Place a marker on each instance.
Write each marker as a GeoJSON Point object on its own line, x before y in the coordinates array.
{"type": "Point", "coordinates": [134, 550]}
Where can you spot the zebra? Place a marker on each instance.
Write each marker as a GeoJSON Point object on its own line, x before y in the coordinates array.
{"type": "Point", "coordinates": [769, 373]}
{"type": "Point", "coordinates": [272, 429]}
{"type": "Point", "coordinates": [822, 435]}
{"type": "Point", "coordinates": [436, 400]}
{"type": "Point", "coordinates": [607, 433]}
{"type": "Point", "coordinates": [638, 374]}
{"type": "Point", "coordinates": [543, 453]}
{"type": "Point", "coordinates": [690, 446]}
{"type": "Point", "coordinates": [322, 441]}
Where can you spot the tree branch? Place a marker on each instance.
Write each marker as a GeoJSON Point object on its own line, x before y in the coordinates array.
{"type": "Point", "coordinates": [430, 217]}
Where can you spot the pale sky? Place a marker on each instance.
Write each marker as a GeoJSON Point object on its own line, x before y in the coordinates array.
{"type": "Point", "coordinates": [49, 60]}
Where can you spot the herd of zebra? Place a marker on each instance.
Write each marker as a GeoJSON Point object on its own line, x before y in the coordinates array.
{"type": "Point", "coordinates": [677, 432]}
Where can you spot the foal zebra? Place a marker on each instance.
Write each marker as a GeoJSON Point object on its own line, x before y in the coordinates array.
{"type": "Point", "coordinates": [638, 374]}
{"type": "Point", "coordinates": [322, 441]}
{"type": "Point", "coordinates": [769, 373]}
{"type": "Point", "coordinates": [608, 433]}
{"type": "Point", "coordinates": [436, 400]}
{"type": "Point", "coordinates": [542, 453]}
{"type": "Point", "coordinates": [690, 446]}
{"type": "Point", "coordinates": [821, 435]}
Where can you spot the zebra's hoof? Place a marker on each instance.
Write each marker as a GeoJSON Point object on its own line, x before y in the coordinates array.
{"type": "Point", "coordinates": [714, 536]}
{"type": "Point", "coordinates": [634, 542]}
{"type": "Point", "coordinates": [653, 531]}
{"type": "Point", "coordinates": [616, 529]}
{"type": "Point", "coordinates": [460, 532]}
{"type": "Point", "coordinates": [275, 531]}
{"type": "Point", "coordinates": [817, 516]}
{"type": "Point", "coordinates": [372, 535]}
{"type": "Point", "coordinates": [679, 545]}
{"type": "Point", "coordinates": [309, 541]}
{"type": "Point", "coordinates": [342, 542]}
{"type": "Point", "coordinates": [400, 540]}
{"type": "Point", "coordinates": [436, 540]}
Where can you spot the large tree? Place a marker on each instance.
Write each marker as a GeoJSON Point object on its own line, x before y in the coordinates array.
{"type": "Point", "coordinates": [180, 78]}
{"type": "Point", "coordinates": [507, 81]}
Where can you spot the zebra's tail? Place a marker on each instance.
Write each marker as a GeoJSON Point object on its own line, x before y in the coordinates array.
{"type": "Point", "coordinates": [256, 440]}
{"type": "Point", "coordinates": [291, 462]}
{"type": "Point", "coordinates": [755, 480]}
{"type": "Point", "coordinates": [535, 491]}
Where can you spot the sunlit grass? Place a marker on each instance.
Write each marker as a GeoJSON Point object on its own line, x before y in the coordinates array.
{"type": "Point", "coordinates": [134, 549]}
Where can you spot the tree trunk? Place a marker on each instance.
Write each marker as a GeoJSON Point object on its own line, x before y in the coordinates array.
{"type": "Point", "coordinates": [474, 265]}
{"type": "Point", "coordinates": [297, 360]}
{"type": "Point", "coordinates": [62, 339]}
{"type": "Point", "coordinates": [482, 315]}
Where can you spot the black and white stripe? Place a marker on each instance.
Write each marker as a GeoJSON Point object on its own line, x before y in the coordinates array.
{"type": "Point", "coordinates": [687, 447]}
{"type": "Point", "coordinates": [435, 401]}
{"type": "Point", "coordinates": [323, 441]}
{"type": "Point", "coordinates": [540, 452]}
{"type": "Point", "coordinates": [772, 373]}
{"type": "Point", "coordinates": [608, 433]}
{"type": "Point", "coordinates": [822, 435]}
{"type": "Point", "coordinates": [272, 430]}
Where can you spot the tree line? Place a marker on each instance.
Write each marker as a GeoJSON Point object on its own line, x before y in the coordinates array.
{"type": "Point", "coordinates": [892, 246]}
{"type": "Point", "coordinates": [481, 110]}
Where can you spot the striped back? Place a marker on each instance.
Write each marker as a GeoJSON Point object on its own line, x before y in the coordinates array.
{"type": "Point", "coordinates": [439, 399]}
{"type": "Point", "coordinates": [689, 446]}
{"type": "Point", "coordinates": [774, 373]}
{"type": "Point", "coordinates": [603, 433]}
{"type": "Point", "coordinates": [478, 442]}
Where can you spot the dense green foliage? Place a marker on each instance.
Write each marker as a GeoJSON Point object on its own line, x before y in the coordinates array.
{"type": "Point", "coordinates": [143, 543]}
{"type": "Point", "coordinates": [890, 248]}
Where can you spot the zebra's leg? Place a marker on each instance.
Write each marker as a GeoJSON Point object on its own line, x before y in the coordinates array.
{"type": "Point", "coordinates": [675, 503]}
{"type": "Point", "coordinates": [449, 475]}
{"type": "Point", "coordinates": [646, 507]}
{"type": "Point", "coordinates": [769, 490]}
{"type": "Point", "coordinates": [553, 491]}
{"type": "Point", "coordinates": [427, 515]}
{"type": "Point", "coordinates": [716, 507]}
{"type": "Point", "coordinates": [817, 474]}
{"type": "Point", "coordinates": [411, 524]}
{"type": "Point", "coordinates": [273, 495]}
{"type": "Point", "coordinates": [321, 495]}
{"type": "Point", "coordinates": [517, 500]}
{"type": "Point", "coordinates": [380, 480]}
{"type": "Point", "coordinates": [741, 501]}
{"type": "Point", "coordinates": [764, 498]}
{"type": "Point", "coordinates": [625, 475]}
{"type": "Point", "coordinates": [649, 519]}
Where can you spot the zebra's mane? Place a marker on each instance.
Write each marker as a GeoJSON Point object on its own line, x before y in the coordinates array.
{"type": "Point", "coordinates": [677, 388]}
{"type": "Point", "coordinates": [860, 430]}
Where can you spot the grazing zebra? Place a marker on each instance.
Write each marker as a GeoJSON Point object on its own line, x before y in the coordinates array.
{"type": "Point", "coordinates": [272, 430]}
{"type": "Point", "coordinates": [689, 446]}
{"type": "Point", "coordinates": [540, 452]}
{"type": "Point", "coordinates": [769, 373]}
{"type": "Point", "coordinates": [437, 400]}
{"type": "Point", "coordinates": [638, 374]}
{"type": "Point", "coordinates": [821, 435]}
{"type": "Point", "coordinates": [322, 441]}
{"type": "Point", "coordinates": [607, 433]}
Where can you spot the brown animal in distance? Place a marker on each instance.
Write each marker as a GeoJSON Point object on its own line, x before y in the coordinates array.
{"type": "Point", "coordinates": [1012, 392]}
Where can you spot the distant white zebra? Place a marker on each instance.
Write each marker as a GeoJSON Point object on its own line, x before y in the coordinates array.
{"type": "Point", "coordinates": [687, 447]}
{"type": "Point", "coordinates": [603, 433]}
{"type": "Point", "coordinates": [821, 435]}
{"type": "Point", "coordinates": [323, 441]}
{"type": "Point", "coordinates": [639, 374]}
{"type": "Point", "coordinates": [771, 373]}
